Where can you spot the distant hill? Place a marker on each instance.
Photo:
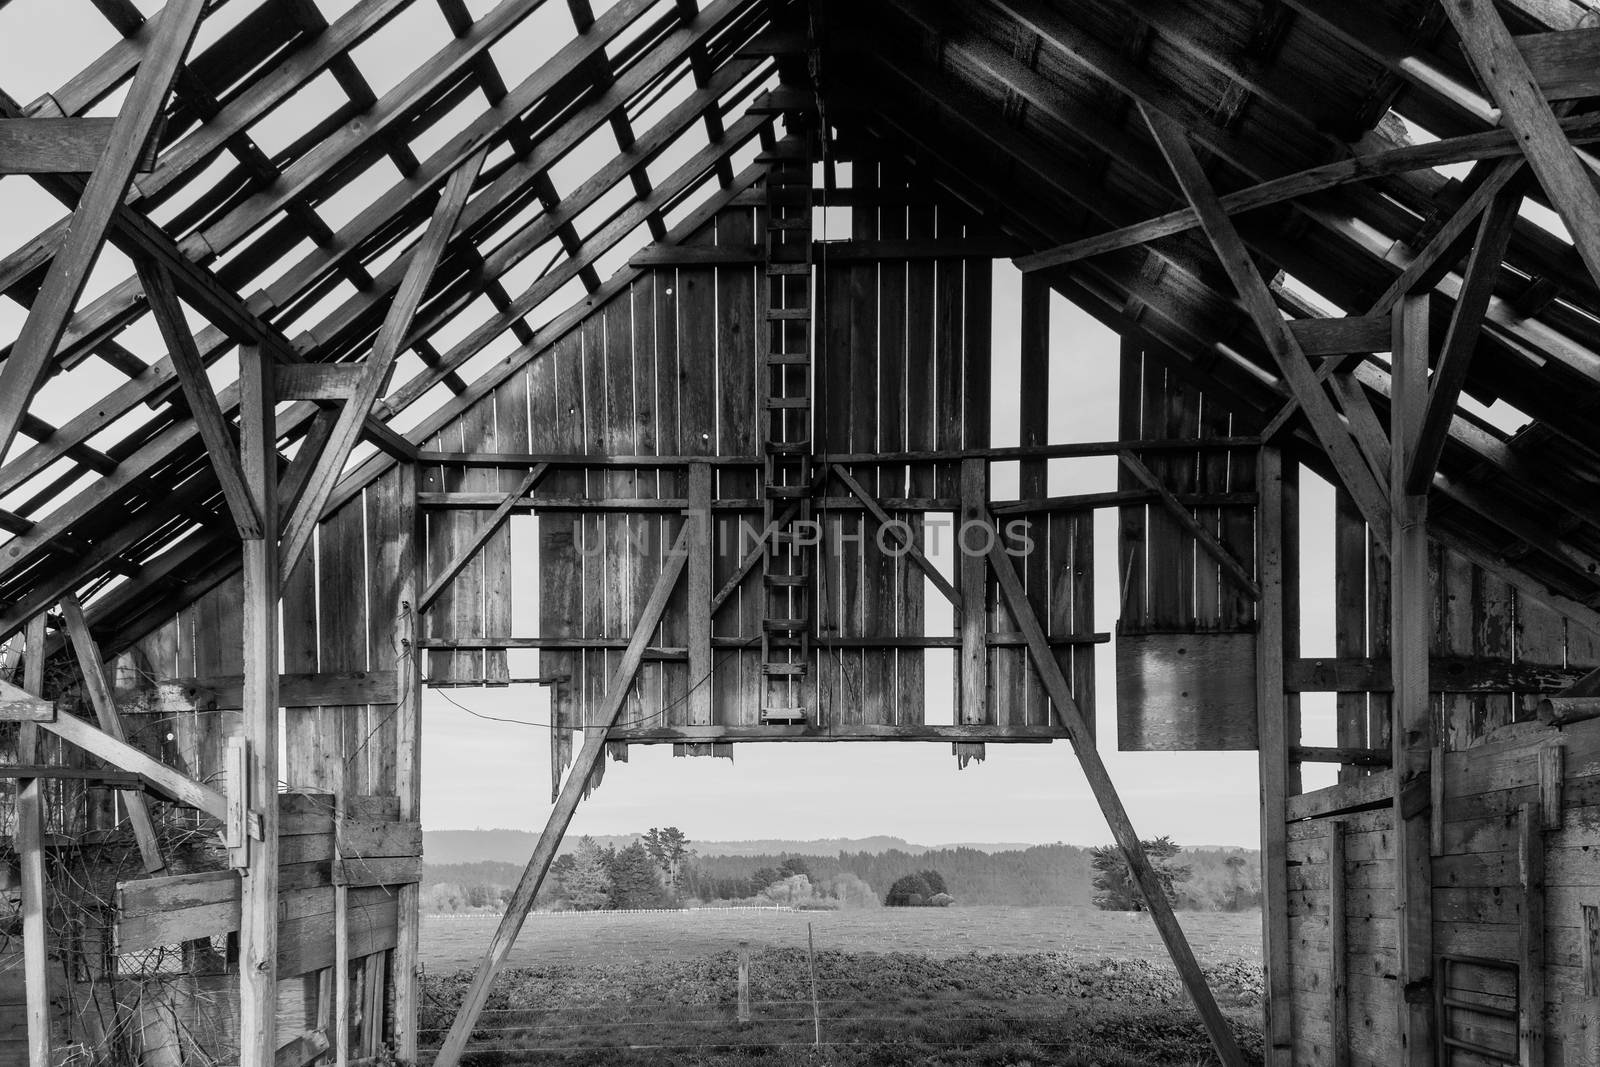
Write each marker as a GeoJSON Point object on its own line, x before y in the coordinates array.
{"type": "Point", "coordinates": [515, 846]}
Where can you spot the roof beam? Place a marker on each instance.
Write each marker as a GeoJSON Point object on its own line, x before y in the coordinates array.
{"type": "Point", "coordinates": [1461, 341]}
{"type": "Point", "coordinates": [60, 146]}
{"type": "Point", "coordinates": [191, 371]}
{"type": "Point", "coordinates": [1494, 144]}
{"type": "Point", "coordinates": [1357, 477]}
{"type": "Point", "coordinates": [47, 320]}
{"type": "Point", "coordinates": [302, 523]}
{"type": "Point", "coordinates": [1501, 66]}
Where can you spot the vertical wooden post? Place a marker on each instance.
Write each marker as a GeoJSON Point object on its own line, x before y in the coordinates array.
{"type": "Point", "coordinates": [1530, 970]}
{"type": "Point", "coordinates": [1339, 947]}
{"type": "Point", "coordinates": [258, 925]}
{"type": "Point", "coordinates": [1409, 620]}
{"type": "Point", "coordinates": [699, 601]}
{"type": "Point", "coordinates": [341, 958]}
{"type": "Point", "coordinates": [1033, 418]}
{"type": "Point", "coordinates": [408, 761]}
{"type": "Point", "coordinates": [30, 854]}
{"type": "Point", "coordinates": [972, 579]}
{"type": "Point", "coordinates": [811, 965]}
{"type": "Point", "coordinates": [1272, 724]}
{"type": "Point", "coordinates": [744, 981]}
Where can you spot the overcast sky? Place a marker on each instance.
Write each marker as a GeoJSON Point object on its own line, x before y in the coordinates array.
{"type": "Point", "coordinates": [480, 773]}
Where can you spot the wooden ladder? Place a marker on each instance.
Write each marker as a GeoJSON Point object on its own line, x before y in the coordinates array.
{"type": "Point", "coordinates": [786, 487]}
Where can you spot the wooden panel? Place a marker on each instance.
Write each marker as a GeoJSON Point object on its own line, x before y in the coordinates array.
{"type": "Point", "coordinates": [1186, 692]}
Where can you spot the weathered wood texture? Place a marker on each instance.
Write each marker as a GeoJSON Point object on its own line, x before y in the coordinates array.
{"type": "Point", "coordinates": [1185, 648]}
{"type": "Point", "coordinates": [1495, 651]}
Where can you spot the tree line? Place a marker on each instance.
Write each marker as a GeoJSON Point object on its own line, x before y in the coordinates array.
{"type": "Point", "coordinates": [668, 873]}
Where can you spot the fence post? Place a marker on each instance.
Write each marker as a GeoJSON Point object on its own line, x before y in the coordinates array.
{"type": "Point", "coordinates": [744, 981]}
{"type": "Point", "coordinates": [811, 964]}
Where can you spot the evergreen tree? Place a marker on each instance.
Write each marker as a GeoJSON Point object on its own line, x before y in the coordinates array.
{"type": "Point", "coordinates": [669, 848]}
{"type": "Point", "coordinates": [634, 879]}
{"type": "Point", "coordinates": [588, 884]}
{"type": "Point", "coordinates": [1114, 882]}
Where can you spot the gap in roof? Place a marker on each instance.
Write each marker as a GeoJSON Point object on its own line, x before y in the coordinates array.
{"type": "Point", "coordinates": [402, 47]}
{"type": "Point", "coordinates": [429, 139]}
{"type": "Point", "coordinates": [358, 193]}
{"type": "Point", "coordinates": [32, 32]}
{"type": "Point", "coordinates": [220, 18]}
{"type": "Point", "coordinates": [532, 42]}
{"type": "Point", "coordinates": [1545, 219]}
{"type": "Point", "coordinates": [524, 272]}
{"type": "Point", "coordinates": [195, 186]}
{"type": "Point", "coordinates": [298, 114]}
{"type": "Point", "coordinates": [1421, 135]}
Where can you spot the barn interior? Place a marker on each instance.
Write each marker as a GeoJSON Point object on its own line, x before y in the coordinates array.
{"type": "Point", "coordinates": [320, 300]}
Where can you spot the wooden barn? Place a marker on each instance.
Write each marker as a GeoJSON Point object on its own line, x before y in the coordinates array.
{"type": "Point", "coordinates": [333, 326]}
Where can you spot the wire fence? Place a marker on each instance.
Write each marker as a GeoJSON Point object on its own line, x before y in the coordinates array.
{"type": "Point", "coordinates": [648, 1000]}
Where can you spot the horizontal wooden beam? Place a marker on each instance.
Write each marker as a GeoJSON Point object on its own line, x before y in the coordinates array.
{"type": "Point", "coordinates": [1359, 757]}
{"type": "Point", "coordinates": [318, 381]}
{"type": "Point", "coordinates": [1373, 791]}
{"type": "Point", "coordinates": [224, 692]}
{"type": "Point", "coordinates": [1342, 336]}
{"type": "Point", "coordinates": [826, 252]}
{"type": "Point", "coordinates": [713, 734]}
{"type": "Point", "coordinates": [998, 640]}
{"type": "Point", "coordinates": [61, 146]}
{"type": "Point", "coordinates": [1446, 674]}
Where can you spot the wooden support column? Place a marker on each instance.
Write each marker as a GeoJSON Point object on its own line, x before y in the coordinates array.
{"type": "Point", "coordinates": [572, 791]}
{"type": "Point", "coordinates": [973, 579]}
{"type": "Point", "coordinates": [1272, 718]}
{"type": "Point", "coordinates": [1410, 617]}
{"type": "Point", "coordinates": [408, 761]}
{"type": "Point", "coordinates": [258, 925]}
{"type": "Point", "coordinates": [1071, 718]}
{"type": "Point", "coordinates": [700, 662]}
{"type": "Point", "coordinates": [30, 854]}
{"type": "Point", "coordinates": [1339, 947]}
{"type": "Point", "coordinates": [1531, 962]}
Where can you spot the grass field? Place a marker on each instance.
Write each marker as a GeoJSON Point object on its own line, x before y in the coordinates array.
{"type": "Point", "coordinates": [961, 987]}
{"type": "Point", "coordinates": [1079, 933]}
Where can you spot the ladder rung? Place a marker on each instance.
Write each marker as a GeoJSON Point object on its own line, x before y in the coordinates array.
{"type": "Point", "coordinates": [772, 716]}
{"type": "Point", "coordinates": [786, 670]}
{"type": "Point", "coordinates": [789, 581]}
{"type": "Point", "coordinates": [788, 492]}
{"type": "Point", "coordinates": [786, 642]}
{"type": "Point", "coordinates": [784, 626]}
{"type": "Point", "coordinates": [789, 448]}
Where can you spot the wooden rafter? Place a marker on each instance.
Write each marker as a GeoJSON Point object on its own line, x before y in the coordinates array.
{"type": "Point", "coordinates": [1502, 67]}
{"type": "Point", "coordinates": [1450, 372]}
{"type": "Point", "coordinates": [1286, 352]}
{"type": "Point", "coordinates": [302, 522]}
{"type": "Point", "coordinates": [1496, 144]}
{"type": "Point", "coordinates": [60, 146]}
{"type": "Point", "coordinates": [47, 319]}
{"type": "Point", "coordinates": [191, 372]}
